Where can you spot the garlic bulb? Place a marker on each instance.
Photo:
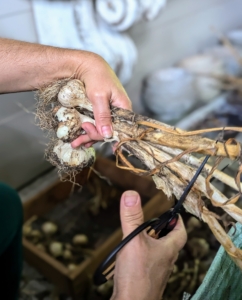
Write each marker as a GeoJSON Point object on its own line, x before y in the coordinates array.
{"type": "Point", "coordinates": [70, 121]}
{"type": "Point", "coordinates": [49, 228]}
{"type": "Point", "coordinates": [192, 224]}
{"type": "Point", "coordinates": [198, 247]}
{"type": "Point", "coordinates": [56, 249]}
{"type": "Point", "coordinates": [71, 94]}
{"type": "Point", "coordinates": [71, 267]}
{"type": "Point", "coordinates": [26, 230]}
{"type": "Point", "coordinates": [36, 234]}
{"type": "Point", "coordinates": [80, 239]}
{"type": "Point", "coordinates": [73, 158]}
{"type": "Point", "coordinates": [67, 254]}
{"type": "Point", "coordinates": [105, 288]}
{"type": "Point", "coordinates": [41, 247]}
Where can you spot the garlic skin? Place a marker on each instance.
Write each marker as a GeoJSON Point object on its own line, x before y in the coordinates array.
{"type": "Point", "coordinates": [70, 121]}
{"type": "Point", "coordinates": [56, 249]}
{"type": "Point", "coordinates": [74, 158]}
{"type": "Point", "coordinates": [73, 95]}
{"type": "Point", "coordinates": [49, 228]}
{"type": "Point", "coordinates": [80, 240]}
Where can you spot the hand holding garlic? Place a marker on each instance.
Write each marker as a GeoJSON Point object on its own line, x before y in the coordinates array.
{"type": "Point", "coordinates": [49, 64]}
{"type": "Point", "coordinates": [102, 89]}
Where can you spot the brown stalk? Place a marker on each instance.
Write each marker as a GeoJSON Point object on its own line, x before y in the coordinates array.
{"type": "Point", "coordinates": [166, 153]}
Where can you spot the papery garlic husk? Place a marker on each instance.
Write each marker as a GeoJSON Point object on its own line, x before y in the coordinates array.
{"type": "Point", "coordinates": [73, 95]}
{"type": "Point", "coordinates": [80, 240]}
{"type": "Point", "coordinates": [68, 159]}
{"type": "Point", "coordinates": [56, 249]}
{"type": "Point", "coordinates": [49, 228]}
{"type": "Point", "coordinates": [69, 123]}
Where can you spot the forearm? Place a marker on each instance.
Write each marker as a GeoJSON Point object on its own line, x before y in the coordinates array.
{"type": "Point", "coordinates": [26, 66]}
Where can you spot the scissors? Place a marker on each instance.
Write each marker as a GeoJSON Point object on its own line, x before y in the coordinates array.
{"type": "Point", "coordinates": [157, 228]}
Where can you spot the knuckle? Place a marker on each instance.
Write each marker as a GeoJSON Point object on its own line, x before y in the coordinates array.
{"type": "Point", "coordinates": [134, 218]}
{"type": "Point", "coordinates": [98, 95]}
{"type": "Point", "coordinates": [104, 116]}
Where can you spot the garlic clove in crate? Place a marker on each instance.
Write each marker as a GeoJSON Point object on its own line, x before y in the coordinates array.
{"type": "Point", "coordinates": [27, 230]}
{"type": "Point", "coordinates": [67, 254]}
{"type": "Point", "coordinates": [41, 247]}
{"type": "Point", "coordinates": [49, 228]}
{"type": "Point", "coordinates": [56, 249]}
{"type": "Point", "coordinates": [80, 240]}
{"type": "Point", "coordinates": [71, 266]}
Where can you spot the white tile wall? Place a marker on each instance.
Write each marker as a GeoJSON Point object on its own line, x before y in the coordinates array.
{"type": "Point", "coordinates": [182, 29]}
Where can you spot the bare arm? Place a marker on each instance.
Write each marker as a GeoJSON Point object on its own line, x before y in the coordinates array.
{"type": "Point", "coordinates": [26, 66]}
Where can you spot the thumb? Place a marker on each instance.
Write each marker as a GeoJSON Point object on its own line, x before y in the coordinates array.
{"type": "Point", "coordinates": [131, 213]}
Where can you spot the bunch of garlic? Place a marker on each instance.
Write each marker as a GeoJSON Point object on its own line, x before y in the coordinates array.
{"type": "Point", "coordinates": [67, 122]}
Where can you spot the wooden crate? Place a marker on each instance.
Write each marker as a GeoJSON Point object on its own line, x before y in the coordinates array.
{"type": "Point", "coordinates": [77, 281]}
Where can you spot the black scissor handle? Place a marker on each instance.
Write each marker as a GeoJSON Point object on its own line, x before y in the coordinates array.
{"type": "Point", "coordinates": [159, 227]}
{"type": "Point", "coordinates": [169, 226]}
{"type": "Point", "coordinates": [100, 274]}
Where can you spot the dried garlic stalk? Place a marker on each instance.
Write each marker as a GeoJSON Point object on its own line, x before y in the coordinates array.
{"type": "Point", "coordinates": [165, 152]}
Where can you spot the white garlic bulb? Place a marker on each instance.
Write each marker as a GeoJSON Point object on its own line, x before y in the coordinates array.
{"type": "Point", "coordinates": [41, 247]}
{"type": "Point", "coordinates": [56, 249]}
{"type": "Point", "coordinates": [77, 158]}
{"type": "Point", "coordinates": [27, 230]}
{"type": "Point", "coordinates": [71, 267]}
{"type": "Point", "coordinates": [67, 254]}
{"type": "Point", "coordinates": [71, 94]}
{"type": "Point", "coordinates": [80, 240]}
{"type": "Point", "coordinates": [49, 228]}
{"type": "Point", "coordinates": [36, 234]}
{"type": "Point", "coordinates": [70, 121]}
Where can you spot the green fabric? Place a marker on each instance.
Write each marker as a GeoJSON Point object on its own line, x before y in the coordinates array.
{"type": "Point", "coordinates": [223, 280]}
{"type": "Point", "coordinates": [11, 218]}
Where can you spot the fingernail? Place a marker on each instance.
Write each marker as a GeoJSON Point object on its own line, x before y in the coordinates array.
{"type": "Point", "coordinates": [130, 198]}
{"type": "Point", "coordinates": [107, 131]}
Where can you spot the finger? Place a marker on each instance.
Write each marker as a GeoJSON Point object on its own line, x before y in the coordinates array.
{"type": "Point", "coordinates": [81, 140]}
{"type": "Point", "coordinates": [178, 236]}
{"type": "Point", "coordinates": [121, 100]}
{"type": "Point", "coordinates": [131, 213]}
{"type": "Point", "coordinates": [91, 131]}
{"type": "Point", "coordinates": [87, 145]}
{"type": "Point", "coordinates": [102, 114]}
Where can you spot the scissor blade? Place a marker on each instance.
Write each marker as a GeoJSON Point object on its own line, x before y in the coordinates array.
{"type": "Point", "coordinates": [189, 186]}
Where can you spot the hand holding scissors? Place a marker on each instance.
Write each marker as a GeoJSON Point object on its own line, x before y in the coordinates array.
{"type": "Point", "coordinates": [157, 228]}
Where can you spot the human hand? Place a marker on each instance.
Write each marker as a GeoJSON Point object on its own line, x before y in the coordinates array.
{"type": "Point", "coordinates": [27, 66]}
{"type": "Point", "coordinates": [144, 265]}
{"type": "Point", "coordinates": [102, 88]}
